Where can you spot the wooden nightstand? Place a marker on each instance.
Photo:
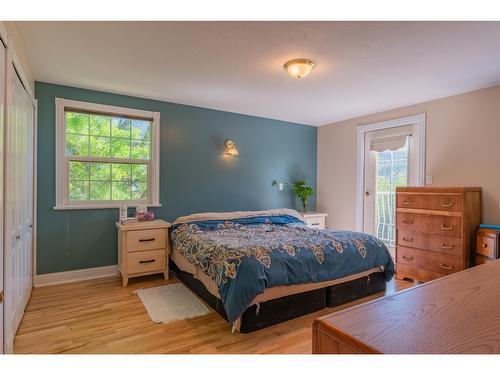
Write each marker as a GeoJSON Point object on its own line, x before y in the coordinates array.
{"type": "Point", "coordinates": [315, 219]}
{"type": "Point", "coordinates": [486, 245]}
{"type": "Point", "coordinates": [143, 249]}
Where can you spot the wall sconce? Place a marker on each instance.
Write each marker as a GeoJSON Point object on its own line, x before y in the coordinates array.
{"type": "Point", "coordinates": [281, 185]}
{"type": "Point", "coordinates": [231, 148]}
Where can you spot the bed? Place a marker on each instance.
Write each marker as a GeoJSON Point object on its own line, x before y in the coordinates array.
{"type": "Point", "coordinates": [263, 267]}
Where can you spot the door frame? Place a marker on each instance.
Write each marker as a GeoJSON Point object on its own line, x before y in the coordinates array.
{"type": "Point", "coordinates": [361, 130]}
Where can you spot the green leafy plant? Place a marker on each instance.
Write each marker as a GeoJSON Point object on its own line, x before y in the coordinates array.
{"type": "Point", "coordinates": [303, 192]}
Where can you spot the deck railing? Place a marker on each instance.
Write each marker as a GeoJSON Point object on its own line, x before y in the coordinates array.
{"type": "Point", "coordinates": [385, 216]}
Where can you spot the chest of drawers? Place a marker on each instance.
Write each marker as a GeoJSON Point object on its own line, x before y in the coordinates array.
{"type": "Point", "coordinates": [143, 249]}
{"type": "Point", "coordinates": [435, 230]}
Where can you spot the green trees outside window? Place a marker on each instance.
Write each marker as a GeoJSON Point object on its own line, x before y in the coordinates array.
{"type": "Point", "coordinates": [108, 157]}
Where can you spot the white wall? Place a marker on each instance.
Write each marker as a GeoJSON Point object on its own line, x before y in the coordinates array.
{"type": "Point", "coordinates": [462, 148]}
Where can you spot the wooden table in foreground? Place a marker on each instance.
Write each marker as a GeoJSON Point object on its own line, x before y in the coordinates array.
{"type": "Point", "coordinates": [459, 313]}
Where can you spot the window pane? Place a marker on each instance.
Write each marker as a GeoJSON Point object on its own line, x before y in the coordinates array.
{"type": "Point", "coordinates": [77, 145]}
{"type": "Point", "coordinates": [139, 190]}
{"type": "Point", "coordinates": [100, 190]}
{"type": "Point", "coordinates": [139, 150]}
{"type": "Point", "coordinates": [77, 123]}
{"type": "Point", "coordinates": [139, 172]}
{"type": "Point", "coordinates": [78, 170]}
{"type": "Point", "coordinates": [100, 125]}
{"type": "Point", "coordinates": [121, 191]}
{"type": "Point", "coordinates": [120, 148]}
{"type": "Point", "coordinates": [141, 129]}
{"type": "Point", "coordinates": [100, 172]}
{"type": "Point", "coordinates": [100, 146]}
{"type": "Point", "coordinates": [121, 172]}
{"type": "Point", "coordinates": [78, 190]}
{"type": "Point", "coordinates": [120, 127]}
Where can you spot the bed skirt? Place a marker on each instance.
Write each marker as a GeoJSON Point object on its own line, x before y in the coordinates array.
{"type": "Point", "coordinates": [281, 309]}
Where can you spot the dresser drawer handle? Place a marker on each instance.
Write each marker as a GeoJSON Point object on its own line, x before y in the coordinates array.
{"type": "Point", "coordinates": [407, 202]}
{"type": "Point", "coordinates": [444, 246]}
{"type": "Point", "coordinates": [484, 245]}
{"type": "Point", "coordinates": [446, 267]}
{"type": "Point", "coordinates": [315, 224]}
{"type": "Point", "coordinates": [407, 257]}
{"type": "Point", "coordinates": [147, 239]}
{"type": "Point", "coordinates": [446, 227]}
{"type": "Point", "coordinates": [407, 221]}
{"type": "Point", "coordinates": [147, 261]}
{"type": "Point", "coordinates": [447, 204]}
{"type": "Point", "coordinates": [408, 239]}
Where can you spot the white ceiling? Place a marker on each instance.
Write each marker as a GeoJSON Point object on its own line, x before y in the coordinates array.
{"type": "Point", "coordinates": [362, 67]}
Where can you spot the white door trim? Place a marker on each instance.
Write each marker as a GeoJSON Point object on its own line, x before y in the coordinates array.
{"type": "Point", "coordinates": [361, 130]}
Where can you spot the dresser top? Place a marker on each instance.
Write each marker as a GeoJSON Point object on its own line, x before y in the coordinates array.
{"type": "Point", "coordinates": [437, 189]}
{"type": "Point", "coordinates": [138, 225]}
{"type": "Point", "coordinates": [454, 314]}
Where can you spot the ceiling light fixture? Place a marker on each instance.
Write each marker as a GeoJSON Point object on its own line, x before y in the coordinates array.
{"type": "Point", "coordinates": [299, 68]}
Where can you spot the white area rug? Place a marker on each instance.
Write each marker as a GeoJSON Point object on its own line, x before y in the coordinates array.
{"type": "Point", "coordinates": [171, 302]}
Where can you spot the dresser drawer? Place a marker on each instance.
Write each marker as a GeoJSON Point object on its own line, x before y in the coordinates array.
{"type": "Point", "coordinates": [146, 261]}
{"type": "Point", "coordinates": [444, 245]}
{"type": "Point", "coordinates": [485, 246]}
{"type": "Point", "coordinates": [428, 260]}
{"type": "Point", "coordinates": [446, 226]}
{"type": "Point", "coordinates": [146, 239]}
{"type": "Point", "coordinates": [441, 202]}
{"type": "Point", "coordinates": [403, 270]}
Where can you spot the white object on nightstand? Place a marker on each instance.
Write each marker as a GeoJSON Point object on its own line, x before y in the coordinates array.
{"type": "Point", "coordinates": [315, 219]}
{"type": "Point", "coordinates": [143, 248]}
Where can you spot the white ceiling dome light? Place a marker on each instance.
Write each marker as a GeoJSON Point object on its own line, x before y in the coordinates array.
{"type": "Point", "coordinates": [299, 68]}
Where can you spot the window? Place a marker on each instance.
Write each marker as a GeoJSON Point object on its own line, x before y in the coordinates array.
{"type": "Point", "coordinates": [105, 155]}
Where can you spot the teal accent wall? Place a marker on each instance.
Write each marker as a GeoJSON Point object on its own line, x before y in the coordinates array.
{"type": "Point", "coordinates": [194, 176]}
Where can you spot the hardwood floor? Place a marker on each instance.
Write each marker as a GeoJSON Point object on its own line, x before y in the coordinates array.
{"type": "Point", "coordinates": [101, 316]}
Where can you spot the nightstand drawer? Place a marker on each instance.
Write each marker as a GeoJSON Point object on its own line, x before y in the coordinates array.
{"type": "Point", "coordinates": [149, 239]}
{"type": "Point", "coordinates": [146, 261]}
{"type": "Point", "coordinates": [485, 246]}
{"type": "Point", "coordinates": [317, 222]}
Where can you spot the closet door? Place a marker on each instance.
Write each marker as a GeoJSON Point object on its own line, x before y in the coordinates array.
{"type": "Point", "coordinates": [2, 115]}
{"type": "Point", "coordinates": [18, 203]}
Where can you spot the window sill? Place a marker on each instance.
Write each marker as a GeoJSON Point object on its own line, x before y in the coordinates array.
{"type": "Point", "coordinates": [65, 208]}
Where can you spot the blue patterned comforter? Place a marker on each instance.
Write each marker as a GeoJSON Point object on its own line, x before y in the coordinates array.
{"type": "Point", "coordinates": [245, 256]}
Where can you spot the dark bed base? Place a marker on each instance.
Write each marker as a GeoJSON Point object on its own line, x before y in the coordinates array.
{"type": "Point", "coordinates": [285, 308]}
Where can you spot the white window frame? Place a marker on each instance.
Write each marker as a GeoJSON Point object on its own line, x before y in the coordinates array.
{"type": "Point", "coordinates": [62, 195]}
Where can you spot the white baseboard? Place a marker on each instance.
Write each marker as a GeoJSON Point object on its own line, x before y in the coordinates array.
{"type": "Point", "coordinates": [77, 275]}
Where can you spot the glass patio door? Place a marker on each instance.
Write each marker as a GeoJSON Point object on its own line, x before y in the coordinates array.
{"type": "Point", "coordinates": [388, 164]}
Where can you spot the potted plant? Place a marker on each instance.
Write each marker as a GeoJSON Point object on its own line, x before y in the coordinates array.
{"type": "Point", "coordinates": [303, 192]}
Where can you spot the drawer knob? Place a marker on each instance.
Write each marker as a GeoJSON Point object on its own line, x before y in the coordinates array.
{"type": "Point", "coordinates": [446, 227]}
{"type": "Point", "coordinates": [484, 245]}
{"type": "Point", "coordinates": [447, 204]}
{"type": "Point", "coordinates": [407, 221]}
{"type": "Point", "coordinates": [147, 239]}
{"type": "Point", "coordinates": [407, 257]}
{"type": "Point", "coordinates": [147, 261]}
{"type": "Point", "coordinates": [408, 239]}
{"type": "Point", "coordinates": [446, 267]}
{"type": "Point", "coordinates": [444, 246]}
